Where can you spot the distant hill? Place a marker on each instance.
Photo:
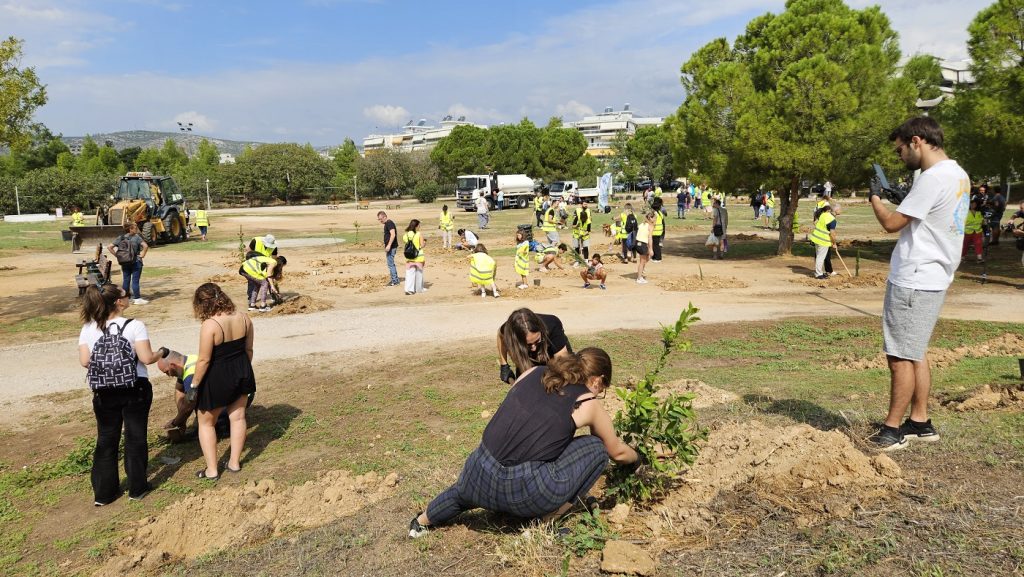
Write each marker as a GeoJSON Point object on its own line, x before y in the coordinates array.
{"type": "Point", "coordinates": [153, 139]}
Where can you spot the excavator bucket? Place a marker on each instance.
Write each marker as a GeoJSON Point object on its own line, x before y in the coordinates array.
{"type": "Point", "coordinates": [91, 235]}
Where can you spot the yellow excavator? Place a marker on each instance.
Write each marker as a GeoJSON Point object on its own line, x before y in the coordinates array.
{"type": "Point", "coordinates": [154, 202]}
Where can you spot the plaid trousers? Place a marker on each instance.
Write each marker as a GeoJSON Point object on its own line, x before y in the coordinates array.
{"type": "Point", "coordinates": [527, 490]}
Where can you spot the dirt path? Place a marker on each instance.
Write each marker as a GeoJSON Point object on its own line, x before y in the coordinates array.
{"type": "Point", "coordinates": [368, 320]}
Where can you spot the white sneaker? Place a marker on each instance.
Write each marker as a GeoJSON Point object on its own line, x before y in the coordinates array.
{"type": "Point", "coordinates": [483, 295]}
{"type": "Point", "coordinates": [496, 294]}
{"type": "Point", "coordinates": [522, 286]}
{"type": "Point", "coordinates": [140, 302]}
{"type": "Point", "coordinates": [641, 280]}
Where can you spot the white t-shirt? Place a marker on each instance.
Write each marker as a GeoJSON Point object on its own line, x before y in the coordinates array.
{"type": "Point", "coordinates": [928, 250]}
{"type": "Point", "coordinates": [481, 205]}
{"type": "Point", "coordinates": [135, 332]}
{"type": "Point", "coordinates": [471, 239]}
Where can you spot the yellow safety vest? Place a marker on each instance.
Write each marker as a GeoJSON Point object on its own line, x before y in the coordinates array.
{"type": "Point", "coordinates": [417, 241]}
{"type": "Point", "coordinates": [769, 201]}
{"type": "Point", "coordinates": [620, 230]}
{"type": "Point", "coordinates": [262, 248]}
{"type": "Point", "coordinates": [974, 223]}
{"type": "Point", "coordinates": [190, 367]}
{"type": "Point", "coordinates": [77, 219]}
{"type": "Point", "coordinates": [821, 204]}
{"type": "Point", "coordinates": [657, 192]}
{"type": "Point", "coordinates": [659, 223]}
{"type": "Point", "coordinates": [552, 250]}
{"type": "Point", "coordinates": [447, 221]}
{"type": "Point", "coordinates": [581, 229]}
{"type": "Point", "coordinates": [257, 266]}
{"type": "Point", "coordinates": [481, 269]}
{"type": "Point", "coordinates": [538, 204]}
{"type": "Point", "coordinates": [522, 263]}
{"type": "Point", "coordinates": [201, 218]}
{"type": "Point", "coordinates": [549, 221]}
{"type": "Point", "coordinates": [820, 235]}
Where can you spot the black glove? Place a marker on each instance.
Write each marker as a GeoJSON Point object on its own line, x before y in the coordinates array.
{"type": "Point", "coordinates": [164, 351]}
{"type": "Point", "coordinates": [507, 376]}
{"type": "Point", "coordinates": [875, 188]}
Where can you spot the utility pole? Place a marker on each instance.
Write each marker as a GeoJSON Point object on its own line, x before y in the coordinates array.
{"type": "Point", "coordinates": [207, 194]}
{"type": "Point", "coordinates": [17, 201]}
{"type": "Point", "coordinates": [355, 186]}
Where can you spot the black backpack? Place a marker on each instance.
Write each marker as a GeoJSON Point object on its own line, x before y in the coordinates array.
{"type": "Point", "coordinates": [127, 251]}
{"type": "Point", "coordinates": [113, 361]}
{"type": "Point", "coordinates": [410, 251]}
{"type": "Point", "coordinates": [631, 224]}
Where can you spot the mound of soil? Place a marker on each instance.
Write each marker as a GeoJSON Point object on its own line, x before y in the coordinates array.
{"type": "Point", "coordinates": [820, 474]}
{"type": "Point", "coordinates": [224, 278]}
{"type": "Point", "coordinates": [704, 395]}
{"type": "Point", "coordinates": [364, 284]}
{"type": "Point", "coordinates": [299, 305]}
{"type": "Point", "coordinates": [222, 518]}
{"type": "Point", "coordinates": [696, 283]}
{"type": "Point", "coordinates": [841, 281]}
{"type": "Point", "coordinates": [988, 397]}
{"type": "Point", "coordinates": [340, 261]}
{"type": "Point", "coordinates": [533, 293]}
{"type": "Point", "coordinates": [1005, 345]}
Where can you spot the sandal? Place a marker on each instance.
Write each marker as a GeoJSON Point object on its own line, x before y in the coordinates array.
{"type": "Point", "coordinates": [225, 467]}
{"type": "Point", "coordinates": [202, 475]}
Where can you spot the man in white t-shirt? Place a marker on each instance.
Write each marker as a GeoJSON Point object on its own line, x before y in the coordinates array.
{"type": "Point", "coordinates": [467, 240]}
{"type": "Point", "coordinates": [482, 214]}
{"type": "Point", "coordinates": [930, 221]}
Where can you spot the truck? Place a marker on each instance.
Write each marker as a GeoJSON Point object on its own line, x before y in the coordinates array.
{"type": "Point", "coordinates": [516, 190]}
{"type": "Point", "coordinates": [570, 192]}
{"type": "Point", "coordinates": [153, 202]}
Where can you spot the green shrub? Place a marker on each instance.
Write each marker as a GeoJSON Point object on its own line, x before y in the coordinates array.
{"type": "Point", "coordinates": [663, 431]}
{"type": "Point", "coordinates": [427, 192]}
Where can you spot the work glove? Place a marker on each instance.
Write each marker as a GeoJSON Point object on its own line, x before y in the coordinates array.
{"type": "Point", "coordinates": [874, 188]}
{"type": "Point", "coordinates": [507, 376]}
{"type": "Point", "coordinates": [164, 351]}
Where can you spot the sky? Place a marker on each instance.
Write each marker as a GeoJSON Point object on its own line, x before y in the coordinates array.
{"type": "Point", "coordinates": [320, 71]}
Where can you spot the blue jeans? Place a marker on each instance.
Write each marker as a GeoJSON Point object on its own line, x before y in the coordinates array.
{"type": "Point", "coordinates": [130, 275]}
{"type": "Point", "coordinates": [114, 410]}
{"type": "Point", "coordinates": [391, 264]}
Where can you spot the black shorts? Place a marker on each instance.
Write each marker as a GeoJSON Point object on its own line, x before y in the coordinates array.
{"type": "Point", "coordinates": [641, 248]}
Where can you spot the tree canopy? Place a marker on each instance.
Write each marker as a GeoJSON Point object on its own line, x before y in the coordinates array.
{"type": "Point", "coordinates": [20, 94]}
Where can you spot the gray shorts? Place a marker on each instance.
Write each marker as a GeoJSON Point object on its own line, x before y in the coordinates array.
{"type": "Point", "coordinates": [552, 238]}
{"type": "Point", "coordinates": [908, 318]}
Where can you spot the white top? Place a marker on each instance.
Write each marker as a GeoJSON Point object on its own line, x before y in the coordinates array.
{"type": "Point", "coordinates": [471, 239]}
{"type": "Point", "coordinates": [135, 332]}
{"type": "Point", "coordinates": [928, 250]}
{"type": "Point", "coordinates": [481, 205]}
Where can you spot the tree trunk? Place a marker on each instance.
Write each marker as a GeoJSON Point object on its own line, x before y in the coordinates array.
{"type": "Point", "coordinates": [786, 211]}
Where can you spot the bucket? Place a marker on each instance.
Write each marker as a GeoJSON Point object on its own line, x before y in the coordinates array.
{"type": "Point", "coordinates": [536, 282]}
{"type": "Point", "coordinates": [65, 235]}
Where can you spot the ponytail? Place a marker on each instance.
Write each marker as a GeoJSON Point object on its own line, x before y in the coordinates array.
{"type": "Point", "coordinates": [99, 303]}
{"type": "Point", "coordinates": [576, 369]}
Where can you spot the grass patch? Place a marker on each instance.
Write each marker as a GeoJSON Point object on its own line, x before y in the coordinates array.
{"type": "Point", "coordinates": [47, 324]}
{"type": "Point", "coordinates": [32, 236]}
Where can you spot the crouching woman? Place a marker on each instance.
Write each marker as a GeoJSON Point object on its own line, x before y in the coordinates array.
{"type": "Point", "coordinates": [529, 463]}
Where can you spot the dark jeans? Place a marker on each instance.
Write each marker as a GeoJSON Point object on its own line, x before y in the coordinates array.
{"type": "Point", "coordinates": [130, 275]}
{"type": "Point", "coordinates": [115, 409]}
{"type": "Point", "coordinates": [390, 256]}
{"type": "Point", "coordinates": [657, 246]}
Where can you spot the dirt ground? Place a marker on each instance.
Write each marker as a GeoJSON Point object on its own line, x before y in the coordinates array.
{"type": "Point", "coordinates": [340, 315]}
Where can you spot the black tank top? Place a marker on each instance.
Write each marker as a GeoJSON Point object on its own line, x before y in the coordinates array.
{"type": "Point", "coordinates": [532, 424]}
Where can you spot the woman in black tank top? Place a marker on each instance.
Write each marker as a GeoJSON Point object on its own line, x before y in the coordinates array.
{"type": "Point", "coordinates": [529, 463]}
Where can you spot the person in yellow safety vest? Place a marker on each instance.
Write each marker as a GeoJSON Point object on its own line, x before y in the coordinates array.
{"type": "Point", "coordinates": [629, 227]}
{"type": "Point", "coordinates": [769, 209]}
{"type": "Point", "coordinates": [550, 226]}
{"type": "Point", "coordinates": [551, 255]}
{"type": "Point", "coordinates": [258, 270]}
{"type": "Point", "coordinates": [481, 271]}
{"type": "Point", "coordinates": [658, 232]}
{"type": "Point", "coordinates": [615, 232]}
{"type": "Point", "coordinates": [824, 238]}
{"type": "Point", "coordinates": [446, 222]}
{"type": "Point", "coordinates": [657, 191]}
{"type": "Point", "coordinates": [414, 266]}
{"type": "Point", "coordinates": [77, 218]}
{"type": "Point", "coordinates": [538, 209]}
{"type": "Point", "coordinates": [581, 223]}
{"type": "Point", "coordinates": [265, 245]}
{"type": "Point", "coordinates": [182, 368]}
{"type": "Point", "coordinates": [974, 227]}
{"type": "Point", "coordinates": [203, 222]}
{"type": "Point", "coordinates": [522, 262]}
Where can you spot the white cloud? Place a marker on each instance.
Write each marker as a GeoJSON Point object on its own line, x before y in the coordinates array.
{"type": "Point", "coordinates": [573, 110]}
{"type": "Point", "coordinates": [386, 114]}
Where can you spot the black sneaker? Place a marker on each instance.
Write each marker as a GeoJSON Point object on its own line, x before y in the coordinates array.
{"type": "Point", "coordinates": [919, 431]}
{"type": "Point", "coordinates": [415, 529]}
{"type": "Point", "coordinates": [888, 439]}
{"type": "Point", "coordinates": [140, 496]}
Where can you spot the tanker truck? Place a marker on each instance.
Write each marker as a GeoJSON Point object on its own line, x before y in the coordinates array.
{"type": "Point", "coordinates": [153, 202]}
{"type": "Point", "coordinates": [516, 190]}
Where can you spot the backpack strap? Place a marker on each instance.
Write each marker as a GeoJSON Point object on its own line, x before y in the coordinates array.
{"type": "Point", "coordinates": [120, 328]}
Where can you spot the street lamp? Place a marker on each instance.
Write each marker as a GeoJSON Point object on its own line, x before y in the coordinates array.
{"type": "Point", "coordinates": [186, 129]}
{"type": "Point", "coordinates": [355, 186]}
{"type": "Point", "coordinates": [207, 194]}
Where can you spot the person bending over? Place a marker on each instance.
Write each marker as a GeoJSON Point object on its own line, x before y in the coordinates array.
{"type": "Point", "coordinates": [529, 339]}
{"type": "Point", "coordinates": [530, 463]}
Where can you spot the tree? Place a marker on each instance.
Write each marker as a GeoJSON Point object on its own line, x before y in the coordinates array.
{"type": "Point", "coordinates": [283, 172]}
{"type": "Point", "coordinates": [383, 173]}
{"type": "Point", "coordinates": [514, 149]}
{"type": "Point", "coordinates": [924, 71]}
{"type": "Point", "coordinates": [560, 149]}
{"type": "Point", "coordinates": [346, 157]}
{"type": "Point", "coordinates": [461, 152]}
{"type": "Point", "coordinates": [783, 104]}
{"type": "Point", "coordinates": [207, 154]}
{"type": "Point", "coordinates": [20, 94]}
{"type": "Point", "coordinates": [987, 119]}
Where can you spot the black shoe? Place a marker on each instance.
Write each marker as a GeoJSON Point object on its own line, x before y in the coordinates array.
{"type": "Point", "coordinates": [141, 495]}
{"type": "Point", "coordinates": [415, 529]}
{"type": "Point", "coordinates": [821, 277]}
{"type": "Point", "coordinates": [919, 431]}
{"type": "Point", "coordinates": [888, 439]}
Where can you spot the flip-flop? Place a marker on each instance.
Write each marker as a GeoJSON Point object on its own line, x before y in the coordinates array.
{"type": "Point", "coordinates": [230, 470]}
{"type": "Point", "coordinates": [202, 475]}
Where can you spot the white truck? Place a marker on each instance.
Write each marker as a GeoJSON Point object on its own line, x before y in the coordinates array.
{"type": "Point", "coordinates": [570, 192]}
{"type": "Point", "coordinates": [516, 190]}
